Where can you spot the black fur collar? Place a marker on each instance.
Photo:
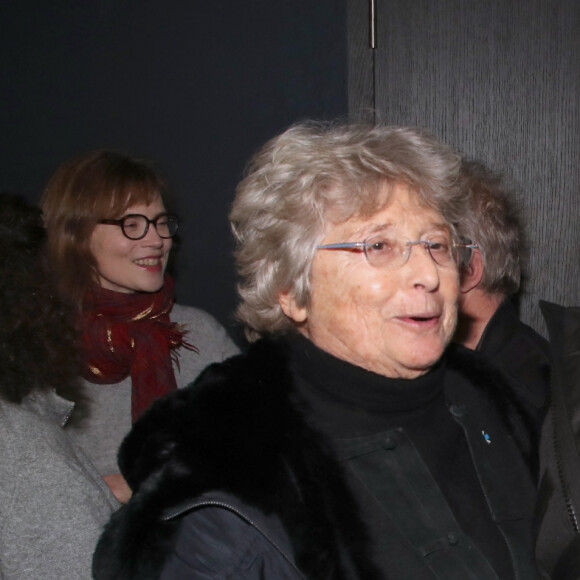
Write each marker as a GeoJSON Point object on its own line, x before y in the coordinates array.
{"type": "Point", "coordinates": [236, 431]}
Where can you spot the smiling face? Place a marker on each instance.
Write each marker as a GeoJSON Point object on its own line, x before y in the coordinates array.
{"type": "Point", "coordinates": [392, 322]}
{"type": "Point", "coordinates": [125, 265]}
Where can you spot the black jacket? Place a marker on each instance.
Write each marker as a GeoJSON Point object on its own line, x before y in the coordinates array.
{"type": "Point", "coordinates": [236, 440]}
{"type": "Point", "coordinates": [517, 349]}
{"type": "Point", "coordinates": [558, 503]}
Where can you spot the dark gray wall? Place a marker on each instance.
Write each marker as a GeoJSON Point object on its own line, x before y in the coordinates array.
{"type": "Point", "coordinates": [197, 86]}
{"type": "Point", "coordinates": [500, 80]}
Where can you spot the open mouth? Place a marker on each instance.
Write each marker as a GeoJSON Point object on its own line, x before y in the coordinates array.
{"type": "Point", "coordinates": [421, 321]}
{"type": "Point", "coordinates": [149, 262]}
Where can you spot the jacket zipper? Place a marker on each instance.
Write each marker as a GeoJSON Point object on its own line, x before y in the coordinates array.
{"type": "Point", "coordinates": [560, 470]}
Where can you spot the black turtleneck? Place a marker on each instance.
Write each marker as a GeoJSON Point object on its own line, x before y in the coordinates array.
{"type": "Point", "coordinates": [346, 401]}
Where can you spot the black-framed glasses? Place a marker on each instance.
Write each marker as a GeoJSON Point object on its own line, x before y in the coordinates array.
{"type": "Point", "coordinates": [393, 254]}
{"type": "Point", "coordinates": [135, 226]}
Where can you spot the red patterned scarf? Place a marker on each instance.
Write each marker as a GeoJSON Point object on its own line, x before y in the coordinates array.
{"type": "Point", "coordinates": [131, 334]}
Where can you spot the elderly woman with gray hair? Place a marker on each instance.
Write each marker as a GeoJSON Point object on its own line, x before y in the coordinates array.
{"type": "Point", "coordinates": [348, 442]}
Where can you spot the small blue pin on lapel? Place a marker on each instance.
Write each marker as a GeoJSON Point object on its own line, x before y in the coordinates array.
{"type": "Point", "coordinates": [486, 437]}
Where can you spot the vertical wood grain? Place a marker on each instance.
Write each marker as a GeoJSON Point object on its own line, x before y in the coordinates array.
{"type": "Point", "coordinates": [499, 80]}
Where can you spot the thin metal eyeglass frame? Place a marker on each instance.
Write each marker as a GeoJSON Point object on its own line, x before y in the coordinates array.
{"type": "Point", "coordinates": [364, 245]}
{"type": "Point", "coordinates": [121, 223]}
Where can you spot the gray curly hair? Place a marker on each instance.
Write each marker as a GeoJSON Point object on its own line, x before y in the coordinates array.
{"type": "Point", "coordinates": [493, 223]}
{"type": "Point", "coordinates": [314, 173]}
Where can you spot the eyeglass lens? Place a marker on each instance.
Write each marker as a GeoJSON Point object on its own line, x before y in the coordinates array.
{"type": "Point", "coordinates": [464, 253]}
{"type": "Point", "coordinates": [392, 254]}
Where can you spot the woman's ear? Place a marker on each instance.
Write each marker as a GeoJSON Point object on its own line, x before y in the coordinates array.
{"type": "Point", "coordinates": [471, 275]}
{"type": "Point", "coordinates": [289, 306]}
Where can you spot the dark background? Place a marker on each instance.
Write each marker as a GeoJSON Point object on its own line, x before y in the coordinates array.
{"type": "Point", "coordinates": [196, 86]}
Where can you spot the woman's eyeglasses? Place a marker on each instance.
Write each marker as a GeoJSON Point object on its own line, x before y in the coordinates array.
{"type": "Point", "coordinates": [392, 254]}
{"type": "Point", "coordinates": [135, 226]}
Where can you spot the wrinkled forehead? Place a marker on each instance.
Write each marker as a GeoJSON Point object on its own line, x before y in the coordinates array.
{"type": "Point", "coordinates": [386, 205]}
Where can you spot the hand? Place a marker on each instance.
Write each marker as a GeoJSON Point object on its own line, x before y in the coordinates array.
{"type": "Point", "coordinates": [118, 486]}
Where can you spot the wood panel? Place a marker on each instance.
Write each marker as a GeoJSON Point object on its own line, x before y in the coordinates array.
{"type": "Point", "coordinates": [361, 62]}
{"type": "Point", "coordinates": [500, 80]}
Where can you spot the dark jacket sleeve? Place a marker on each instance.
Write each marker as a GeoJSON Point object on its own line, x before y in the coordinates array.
{"type": "Point", "coordinates": [558, 500]}
{"type": "Point", "coordinates": [216, 543]}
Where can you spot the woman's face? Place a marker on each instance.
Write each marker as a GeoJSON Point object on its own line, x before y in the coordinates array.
{"type": "Point", "coordinates": [395, 322]}
{"type": "Point", "coordinates": [125, 265]}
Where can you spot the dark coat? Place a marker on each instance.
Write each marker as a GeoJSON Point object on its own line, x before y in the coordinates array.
{"type": "Point", "coordinates": [517, 349]}
{"type": "Point", "coordinates": [235, 431]}
{"type": "Point", "coordinates": [236, 439]}
{"type": "Point", "coordinates": [523, 355]}
{"type": "Point", "coordinates": [558, 503]}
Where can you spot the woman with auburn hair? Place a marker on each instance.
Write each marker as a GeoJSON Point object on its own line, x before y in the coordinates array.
{"type": "Point", "coordinates": [109, 241]}
{"type": "Point", "coordinates": [53, 502]}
